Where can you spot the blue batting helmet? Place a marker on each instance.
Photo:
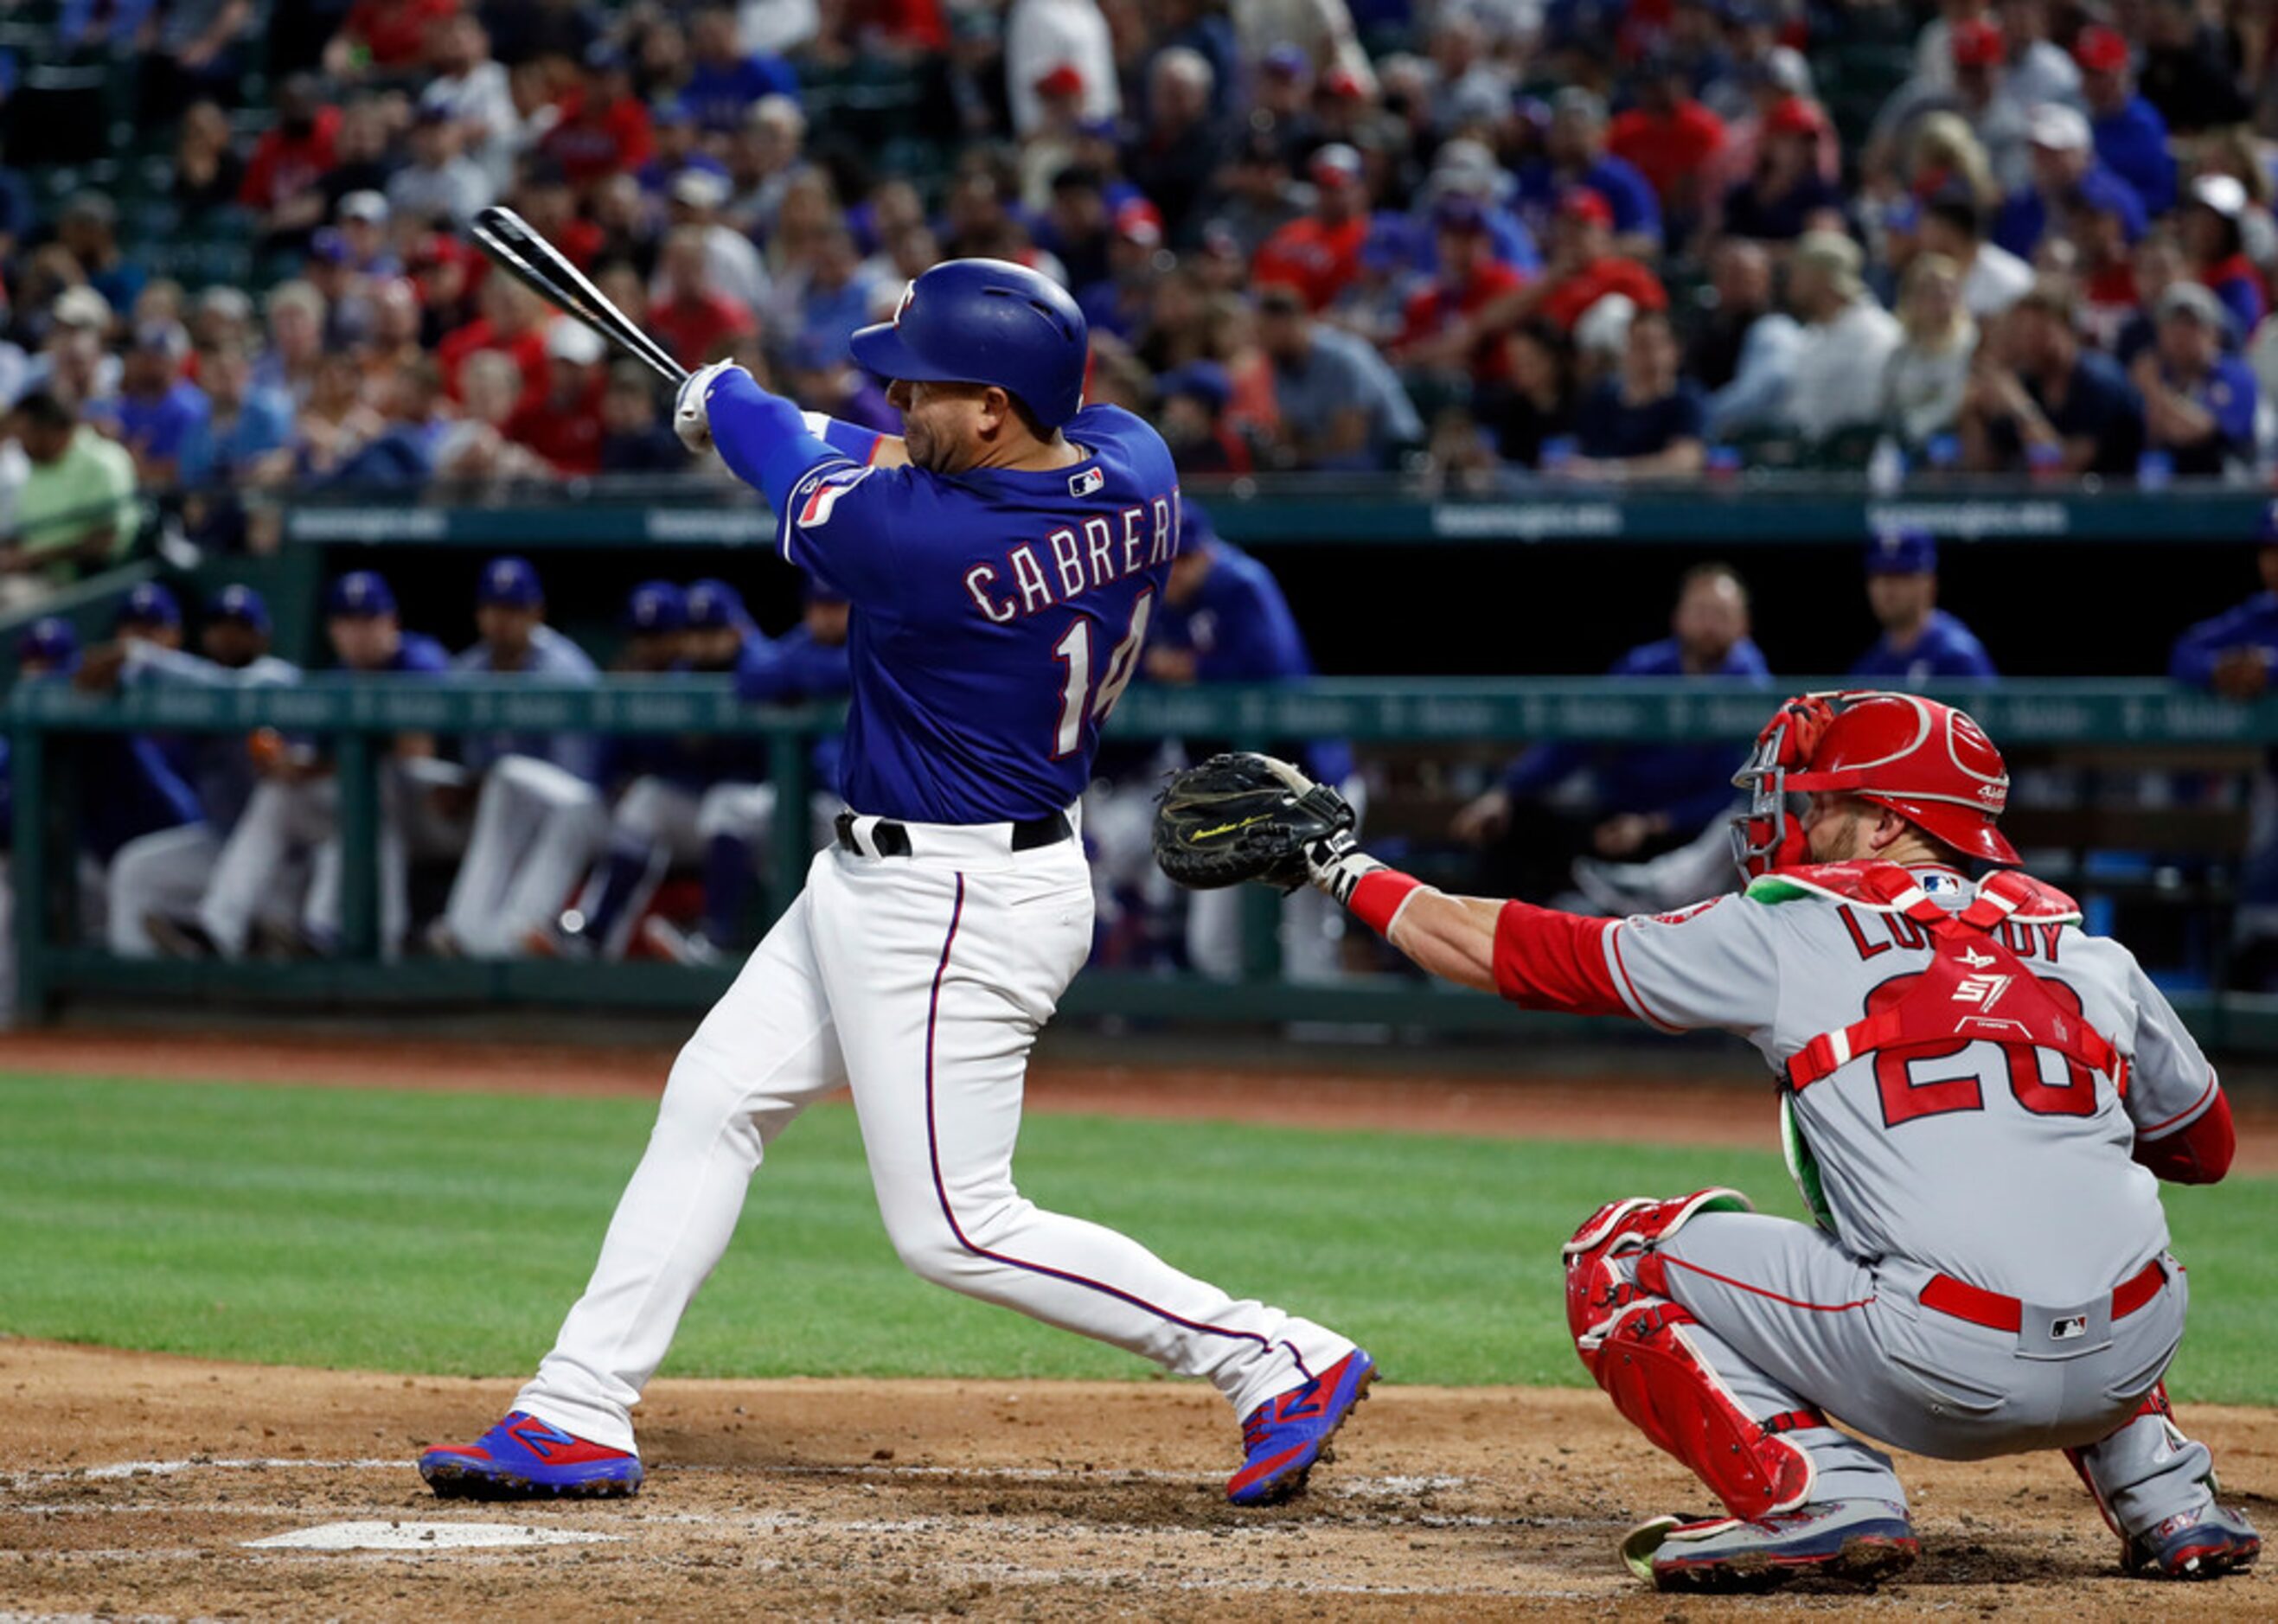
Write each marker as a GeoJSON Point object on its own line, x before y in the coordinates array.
{"type": "Point", "coordinates": [986, 321]}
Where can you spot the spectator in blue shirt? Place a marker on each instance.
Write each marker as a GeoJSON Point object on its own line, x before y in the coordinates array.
{"type": "Point", "coordinates": [2040, 399]}
{"type": "Point", "coordinates": [1575, 155]}
{"type": "Point", "coordinates": [2199, 401]}
{"type": "Point", "coordinates": [1920, 643]}
{"type": "Point", "coordinates": [725, 80]}
{"type": "Point", "coordinates": [1562, 799]}
{"type": "Point", "coordinates": [241, 425]}
{"type": "Point", "coordinates": [157, 412]}
{"type": "Point", "coordinates": [2065, 169]}
{"type": "Point", "coordinates": [538, 813]}
{"type": "Point", "coordinates": [1647, 421]}
{"type": "Point", "coordinates": [2131, 137]}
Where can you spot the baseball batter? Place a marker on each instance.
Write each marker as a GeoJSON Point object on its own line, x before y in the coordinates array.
{"type": "Point", "coordinates": [1002, 558]}
{"type": "Point", "coordinates": [1978, 1099]}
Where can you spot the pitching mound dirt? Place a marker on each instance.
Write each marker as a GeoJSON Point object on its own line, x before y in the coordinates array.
{"type": "Point", "coordinates": [131, 1484]}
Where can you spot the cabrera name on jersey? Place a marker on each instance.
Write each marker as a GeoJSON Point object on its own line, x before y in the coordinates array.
{"type": "Point", "coordinates": [998, 615]}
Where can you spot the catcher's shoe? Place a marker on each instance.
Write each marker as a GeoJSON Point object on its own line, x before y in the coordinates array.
{"type": "Point", "coordinates": [1282, 1438]}
{"type": "Point", "coordinates": [1861, 1541]}
{"type": "Point", "coordinates": [523, 1458]}
{"type": "Point", "coordinates": [2204, 1545]}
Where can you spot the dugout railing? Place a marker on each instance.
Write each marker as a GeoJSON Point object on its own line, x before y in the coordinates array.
{"type": "Point", "coordinates": [2103, 719]}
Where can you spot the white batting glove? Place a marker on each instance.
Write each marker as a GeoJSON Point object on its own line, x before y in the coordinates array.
{"type": "Point", "coordinates": [692, 409]}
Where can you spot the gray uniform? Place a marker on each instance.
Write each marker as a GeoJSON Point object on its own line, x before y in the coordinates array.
{"type": "Point", "coordinates": [2014, 1180]}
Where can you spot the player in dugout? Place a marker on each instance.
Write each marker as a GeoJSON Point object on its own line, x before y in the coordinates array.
{"type": "Point", "coordinates": [1978, 1100]}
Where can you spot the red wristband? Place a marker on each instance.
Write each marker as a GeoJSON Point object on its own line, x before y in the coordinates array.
{"type": "Point", "coordinates": [1377, 899]}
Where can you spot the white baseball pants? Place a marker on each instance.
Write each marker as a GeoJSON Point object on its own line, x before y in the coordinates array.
{"type": "Point", "coordinates": [536, 827]}
{"type": "Point", "coordinates": [922, 981]}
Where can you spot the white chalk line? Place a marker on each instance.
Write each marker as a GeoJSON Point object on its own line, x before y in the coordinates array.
{"type": "Point", "coordinates": [1347, 1487]}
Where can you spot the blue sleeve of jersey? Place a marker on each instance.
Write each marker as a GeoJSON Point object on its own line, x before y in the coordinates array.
{"type": "Point", "coordinates": [764, 439]}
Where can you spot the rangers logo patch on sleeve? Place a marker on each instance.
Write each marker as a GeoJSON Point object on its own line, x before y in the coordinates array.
{"type": "Point", "coordinates": [814, 512]}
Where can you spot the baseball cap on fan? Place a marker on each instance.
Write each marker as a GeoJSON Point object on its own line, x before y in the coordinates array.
{"type": "Point", "coordinates": [2058, 128]}
{"type": "Point", "coordinates": [509, 582]}
{"type": "Point", "coordinates": [1334, 164]}
{"type": "Point", "coordinates": [574, 342]}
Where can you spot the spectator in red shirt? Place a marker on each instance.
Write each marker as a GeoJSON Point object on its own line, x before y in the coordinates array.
{"type": "Point", "coordinates": [564, 424]}
{"type": "Point", "coordinates": [389, 36]}
{"type": "Point", "coordinates": [283, 182]}
{"type": "Point", "coordinates": [689, 318]}
{"type": "Point", "coordinates": [1583, 270]}
{"type": "Point", "coordinates": [1672, 140]}
{"type": "Point", "coordinates": [513, 323]}
{"type": "Point", "coordinates": [1440, 328]}
{"type": "Point", "coordinates": [604, 129]}
{"type": "Point", "coordinates": [1319, 253]}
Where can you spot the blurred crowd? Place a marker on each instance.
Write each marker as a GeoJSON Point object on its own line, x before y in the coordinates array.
{"type": "Point", "coordinates": [1591, 239]}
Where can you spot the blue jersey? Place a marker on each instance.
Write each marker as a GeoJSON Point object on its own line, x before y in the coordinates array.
{"type": "Point", "coordinates": [1688, 783]}
{"type": "Point", "coordinates": [1239, 627]}
{"type": "Point", "coordinates": [1945, 648]}
{"type": "Point", "coordinates": [997, 616]}
{"type": "Point", "coordinates": [416, 654]}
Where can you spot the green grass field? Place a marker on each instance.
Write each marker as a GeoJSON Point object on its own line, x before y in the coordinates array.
{"type": "Point", "coordinates": [447, 1233]}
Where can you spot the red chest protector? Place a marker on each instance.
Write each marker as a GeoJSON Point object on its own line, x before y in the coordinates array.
{"type": "Point", "coordinates": [1976, 987]}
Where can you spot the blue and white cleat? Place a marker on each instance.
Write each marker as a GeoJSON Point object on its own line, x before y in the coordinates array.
{"type": "Point", "coordinates": [2204, 1545]}
{"type": "Point", "coordinates": [1283, 1438]}
{"type": "Point", "coordinates": [1861, 1541]}
{"type": "Point", "coordinates": [523, 1458]}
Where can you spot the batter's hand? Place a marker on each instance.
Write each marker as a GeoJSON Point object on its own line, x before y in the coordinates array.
{"type": "Point", "coordinates": [691, 411]}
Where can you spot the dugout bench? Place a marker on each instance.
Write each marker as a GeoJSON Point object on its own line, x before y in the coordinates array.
{"type": "Point", "coordinates": [2106, 722]}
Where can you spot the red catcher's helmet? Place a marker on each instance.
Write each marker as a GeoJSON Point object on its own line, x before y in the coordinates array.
{"type": "Point", "coordinates": [1928, 762]}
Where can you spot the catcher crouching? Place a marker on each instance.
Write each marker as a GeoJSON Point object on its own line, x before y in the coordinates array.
{"type": "Point", "coordinates": [1978, 1098]}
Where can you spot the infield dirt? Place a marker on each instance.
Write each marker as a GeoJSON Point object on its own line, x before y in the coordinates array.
{"type": "Point", "coordinates": [1032, 1501]}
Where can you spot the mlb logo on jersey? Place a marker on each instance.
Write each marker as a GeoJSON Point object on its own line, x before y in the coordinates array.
{"type": "Point", "coordinates": [2068, 1328]}
{"type": "Point", "coordinates": [1087, 482]}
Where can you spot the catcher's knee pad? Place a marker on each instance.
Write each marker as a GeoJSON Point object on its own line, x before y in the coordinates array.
{"type": "Point", "coordinates": [2147, 1445]}
{"type": "Point", "coordinates": [1637, 1345]}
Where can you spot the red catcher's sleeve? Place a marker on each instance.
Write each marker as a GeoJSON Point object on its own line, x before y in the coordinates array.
{"type": "Point", "coordinates": [2199, 1154]}
{"type": "Point", "coordinates": [1547, 960]}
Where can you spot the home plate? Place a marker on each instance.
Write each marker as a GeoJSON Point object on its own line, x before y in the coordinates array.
{"type": "Point", "coordinates": [421, 1536]}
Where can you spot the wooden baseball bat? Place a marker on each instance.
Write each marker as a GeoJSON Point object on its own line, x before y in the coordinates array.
{"type": "Point", "coordinates": [547, 272]}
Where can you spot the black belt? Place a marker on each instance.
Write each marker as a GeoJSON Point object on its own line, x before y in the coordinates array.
{"type": "Point", "coordinates": [892, 840]}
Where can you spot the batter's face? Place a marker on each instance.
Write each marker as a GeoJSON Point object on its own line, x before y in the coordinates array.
{"type": "Point", "coordinates": [950, 428]}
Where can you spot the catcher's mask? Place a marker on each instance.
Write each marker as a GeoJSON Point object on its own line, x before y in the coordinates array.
{"type": "Point", "coordinates": [1928, 762]}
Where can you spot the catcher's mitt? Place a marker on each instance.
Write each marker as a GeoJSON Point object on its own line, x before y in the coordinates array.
{"type": "Point", "coordinates": [1242, 817]}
